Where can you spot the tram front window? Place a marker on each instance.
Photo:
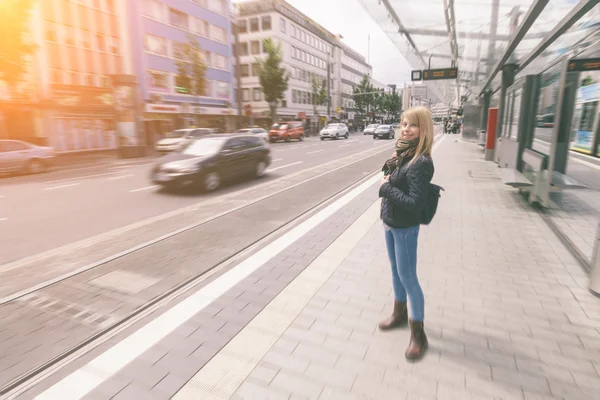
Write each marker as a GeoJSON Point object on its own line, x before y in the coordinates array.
{"type": "Point", "coordinates": [585, 131]}
{"type": "Point", "coordinates": [546, 109]}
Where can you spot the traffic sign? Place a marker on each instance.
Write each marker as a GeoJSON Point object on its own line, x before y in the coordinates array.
{"type": "Point", "coordinates": [584, 64]}
{"type": "Point", "coordinates": [416, 75]}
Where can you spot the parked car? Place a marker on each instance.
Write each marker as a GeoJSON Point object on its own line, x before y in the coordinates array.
{"type": "Point", "coordinates": [286, 131]}
{"type": "Point", "coordinates": [181, 138]}
{"type": "Point", "coordinates": [260, 132]}
{"type": "Point", "coordinates": [369, 130]}
{"type": "Point", "coordinates": [334, 131]}
{"type": "Point", "coordinates": [384, 131]}
{"type": "Point", "coordinates": [209, 161]}
{"type": "Point", "coordinates": [23, 157]}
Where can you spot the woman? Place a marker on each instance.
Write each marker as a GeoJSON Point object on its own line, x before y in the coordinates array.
{"type": "Point", "coordinates": [403, 192]}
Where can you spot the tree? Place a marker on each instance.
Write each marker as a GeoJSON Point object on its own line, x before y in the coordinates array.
{"type": "Point", "coordinates": [393, 105]}
{"type": "Point", "coordinates": [15, 48]}
{"type": "Point", "coordinates": [272, 76]}
{"type": "Point", "coordinates": [364, 96]}
{"type": "Point", "coordinates": [191, 70]}
{"type": "Point", "coordinates": [319, 93]}
{"type": "Point", "coordinates": [588, 80]}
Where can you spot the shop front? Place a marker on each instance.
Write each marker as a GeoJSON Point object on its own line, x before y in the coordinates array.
{"type": "Point", "coordinates": [80, 118]}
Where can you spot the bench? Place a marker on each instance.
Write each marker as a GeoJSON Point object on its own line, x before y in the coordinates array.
{"type": "Point", "coordinates": [533, 160]}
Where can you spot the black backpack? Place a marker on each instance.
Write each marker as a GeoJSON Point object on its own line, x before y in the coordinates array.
{"type": "Point", "coordinates": [433, 198]}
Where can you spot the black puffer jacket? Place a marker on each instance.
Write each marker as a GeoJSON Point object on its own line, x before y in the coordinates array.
{"type": "Point", "coordinates": [404, 195]}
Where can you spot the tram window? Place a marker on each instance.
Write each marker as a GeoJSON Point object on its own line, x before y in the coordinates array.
{"type": "Point", "coordinates": [588, 113]}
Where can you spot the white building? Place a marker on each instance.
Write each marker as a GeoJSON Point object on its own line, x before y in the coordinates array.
{"type": "Point", "coordinates": [352, 68]}
{"type": "Point", "coordinates": [307, 49]}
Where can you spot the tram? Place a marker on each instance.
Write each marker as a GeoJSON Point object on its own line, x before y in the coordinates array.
{"type": "Point", "coordinates": [585, 136]}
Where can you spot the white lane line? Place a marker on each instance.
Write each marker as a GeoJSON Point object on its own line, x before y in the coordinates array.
{"type": "Point", "coordinates": [284, 166]}
{"type": "Point", "coordinates": [87, 378]}
{"type": "Point", "coordinates": [345, 145]}
{"type": "Point", "coordinates": [3, 219]}
{"type": "Point", "coordinates": [61, 186]}
{"type": "Point", "coordinates": [313, 152]}
{"type": "Point", "coordinates": [78, 177]}
{"type": "Point", "coordinates": [119, 177]}
{"type": "Point", "coordinates": [278, 159]}
{"type": "Point", "coordinates": [144, 188]}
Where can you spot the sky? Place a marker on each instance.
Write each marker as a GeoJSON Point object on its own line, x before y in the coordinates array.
{"type": "Point", "coordinates": [349, 19]}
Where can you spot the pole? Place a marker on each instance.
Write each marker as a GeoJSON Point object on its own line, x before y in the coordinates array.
{"type": "Point", "coordinates": [492, 41]}
{"type": "Point", "coordinates": [328, 86]}
{"type": "Point", "coordinates": [238, 75]}
{"type": "Point", "coordinates": [368, 48]}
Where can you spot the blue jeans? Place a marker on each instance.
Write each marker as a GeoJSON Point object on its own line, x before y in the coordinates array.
{"type": "Point", "coordinates": [402, 251]}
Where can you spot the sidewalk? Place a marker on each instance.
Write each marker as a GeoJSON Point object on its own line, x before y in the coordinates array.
{"type": "Point", "coordinates": [508, 313]}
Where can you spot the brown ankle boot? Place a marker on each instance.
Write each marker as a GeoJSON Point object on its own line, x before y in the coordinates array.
{"type": "Point", "coordinates": [398, 318]}
{"type": "Point", "coordinates": [418, 342]}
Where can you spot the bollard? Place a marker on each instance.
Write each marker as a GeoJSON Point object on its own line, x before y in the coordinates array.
{"type": "Point", "coordinates": [595, 272]}
{"type": "Point", "coordinates": [490, 143]}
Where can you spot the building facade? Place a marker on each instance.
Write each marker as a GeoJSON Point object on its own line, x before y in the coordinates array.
{"type": "Point", "coordinates": [159, 29]}
{"type": "Point", "coordinates": [308, 49]}
{"type": "Point", "coordinates": [353, 67]}
{"type": "Point", "coordinates": [79, 47]}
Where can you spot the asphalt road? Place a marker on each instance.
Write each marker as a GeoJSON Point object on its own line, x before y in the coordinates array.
{"type": "Point", "coordinates": [39, 213]}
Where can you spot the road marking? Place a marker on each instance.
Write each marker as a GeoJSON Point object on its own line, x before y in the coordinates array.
{"type": "Point", "coordinates": [313, 152]}
{"type": "Point", "coordinates": [120, 177]}
{"type": "Point", "coordinates": [88, 377]}
{"type": "Point", "coordinates": [78, 177]}
{"type": "Point", "coordinates": [85, 379]}
{"type": "Point", "coordinates": [61, 186]}
{"type": "Point", "coordinates": [279, 159]}
{"type": "Point", "coordinates": [144, 188]}
{"type": "Point", "coordinates": [284, 166]}
{"type": "Point", "coordinates": [3, 219]}
{"type": "Point", "coordinates": [344, 145]}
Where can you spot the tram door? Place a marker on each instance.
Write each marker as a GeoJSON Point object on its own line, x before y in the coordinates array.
{"type": "Point", "coordinates": [585, 135]}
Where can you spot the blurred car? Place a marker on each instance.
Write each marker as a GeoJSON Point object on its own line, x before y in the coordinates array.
{"type": "Point", "coordinates": [255, 131]}
{"type": "Point", "coordinates": [23, 157]}
{"type": "Point", "coordinates": [209, 161]}
{"type": "Point", "coordinates": [369, 130]}
{"type": "Point", "coordinates": [286, 131]}
{"type": "Point", "coordinates": [334, 131]}
{"type": "Point", "coordinates": [181, 138]}
{"type": "Point", "coordinates": [384, 131]}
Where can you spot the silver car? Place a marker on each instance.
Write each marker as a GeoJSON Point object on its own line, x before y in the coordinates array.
{"type": "Point", "coordinates": [334, 131]}
{"type": "Point", "coordinates": [369, 130]}
{"type": "Point", "coordinates": [19, 156]}
{"type": "Point", "coordinates": [181, 138]}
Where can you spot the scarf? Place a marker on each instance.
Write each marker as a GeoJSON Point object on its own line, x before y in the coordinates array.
{"type": "Point", "coordinates": [404, 148]}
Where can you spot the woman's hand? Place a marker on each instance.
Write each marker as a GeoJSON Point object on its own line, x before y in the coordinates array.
{"type": "Point", "coordinates": [385, 179]}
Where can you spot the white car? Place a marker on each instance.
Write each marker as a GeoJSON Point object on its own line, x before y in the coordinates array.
{"type": "Point", "coordinates": [334, 131]}
{"type": "Point", "coordinates": [369, 130]}
{"type": "Point", "coordinates": [18, 156]}
{"type": "Point", "coordinates": [180, 139]}
{"type": "Point", "coordinates": [260, 132]}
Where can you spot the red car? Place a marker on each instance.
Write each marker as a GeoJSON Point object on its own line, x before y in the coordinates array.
{"type": "Point", "coordinates": [286, 131]}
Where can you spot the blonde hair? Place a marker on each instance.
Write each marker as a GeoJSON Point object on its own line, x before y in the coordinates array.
{"type": "Point", "coordinates": [421, 117]}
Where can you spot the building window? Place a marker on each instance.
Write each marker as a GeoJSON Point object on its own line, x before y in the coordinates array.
{"type": "Point", "coordinates": [73, 78]}
{"type": "Point", "coordinates": [246, 95]}
{"type": "Point", "coordinates": [177, 50]}
{"type": "Point", "coordinates": [206, 57]}
{"type": "Point", "coordinates": [69, 33]}
{"type": "Point", "coordinates": [178, 19]}
{"type": "Point", "coordinates": [242, 26]}
{"type": "Point", "coordinates": [266, 23]}
{"type": "Point", "coordinates": [255, 69]}
{"type": "Point", "coordinates": [217, 6]}
{"type": "Point", "coordinates": [100, 43]}
{"type": "Point", "coordinates": [200, 27]}
{"type": "Point", "coordinates": [255, 45]}
{"type": "Point", "coordinates": [113, 46]}
{"type": "Point", "coordinates": [244, 49]}
{"type": "Point", "coordinates": [222, 90]}
{"type": "Point", "coordinates": [153, 9]}
{"type": "Point", "coordinates": [221, 62]}
{"type": "Point", "coordinates": [104, 81]}
{"type": "Point", "coordinates": [86, 41]}
{"type": "Point", "coordinates": [159, 80]}
{"type": "Point", "coordinates": [282, 25]}
{"type": "Point", "coordinates": [293, 31]}
{"type": "Point", "coordinates": [156, 45]}
{"type": "Point", "coordinates": [254, 25]}
{"type": "Point", "coordinates": [244, 70]}
{"type": "Point", "coordinates": [90, 80]}
{"type": "Point", "coordinates": [256, 94]}
{"type": "Point", "coordinates": [218, 34]}
{"type": "Point", "coordinates": [51, 31]}
{"type": "Point", "coordinates": [294, 99]}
